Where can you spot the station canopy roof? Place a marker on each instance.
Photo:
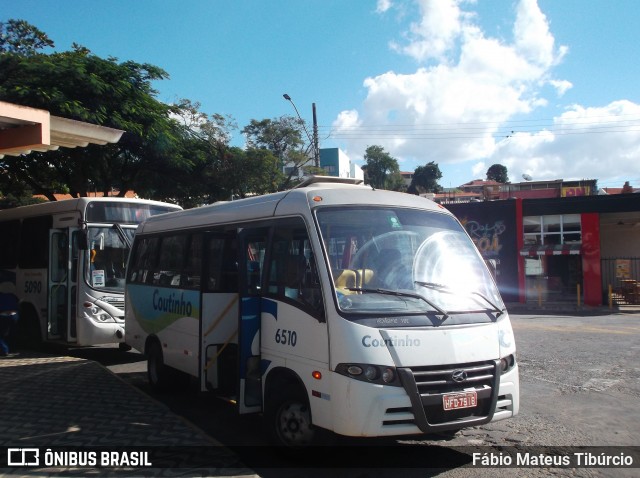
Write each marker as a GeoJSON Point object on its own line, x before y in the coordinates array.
{"type": "Point", "coordinates": [24, 129]}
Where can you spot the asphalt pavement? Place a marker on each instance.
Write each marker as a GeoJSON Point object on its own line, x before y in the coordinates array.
{"type": "Point", "coordinates": [53, 402]}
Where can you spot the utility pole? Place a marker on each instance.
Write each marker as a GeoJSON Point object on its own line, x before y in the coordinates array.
{"type": "Point", "coordinates": [316, 148]}
{"type": "Point", "coordinates": [314, 141]}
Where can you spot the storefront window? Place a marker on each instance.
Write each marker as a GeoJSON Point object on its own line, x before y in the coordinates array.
{"type": "Point", "coordinates": [553, 266]}
{"type": "Point", "coordinates": [555, 229]}
{"type": "Point", "coordinates": [532, 230]}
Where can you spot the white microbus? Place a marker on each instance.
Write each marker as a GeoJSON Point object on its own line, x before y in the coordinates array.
{"type": "Point", "coordinates": [333, 305]}
{"type": "Point", "coordinates": [65, 262]}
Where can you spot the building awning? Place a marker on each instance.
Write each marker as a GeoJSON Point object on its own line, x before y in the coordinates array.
{"type": "Point", "coordinates": [551, 250]}
{"type": "Point", "coordinates": [24, 129]}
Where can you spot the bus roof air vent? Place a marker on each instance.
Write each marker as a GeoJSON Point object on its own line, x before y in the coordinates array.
{"type": "Point", "coordinates": [308, 181]}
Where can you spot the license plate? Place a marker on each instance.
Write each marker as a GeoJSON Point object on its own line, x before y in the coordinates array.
{"type": "Point", "coordinates": [453, 401]}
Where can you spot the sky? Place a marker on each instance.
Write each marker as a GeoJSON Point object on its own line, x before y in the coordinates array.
{"type": "Point", "coordinates": [547, 88]}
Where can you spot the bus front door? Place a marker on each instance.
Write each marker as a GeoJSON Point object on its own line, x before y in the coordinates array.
{"type": "Point", "coordinates": [61, 324]}
{"type": "Point", "coordinates": [231, 308]}
{"type": "Point", "coordinates": [253, 244]}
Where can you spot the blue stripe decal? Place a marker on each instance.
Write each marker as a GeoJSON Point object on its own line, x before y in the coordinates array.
{"type": "Point", "coordinates": [270, 307]}
{"type": "Point", "coordinates": [250, 326]}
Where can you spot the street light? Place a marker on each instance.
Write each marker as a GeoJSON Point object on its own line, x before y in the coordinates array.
{"type": "Point", "coordinates": [314, 141]}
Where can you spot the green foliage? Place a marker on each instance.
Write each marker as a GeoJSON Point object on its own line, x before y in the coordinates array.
{"type": "Point", "coordinates": [22, 38]}
{"type": "Point", "coordinates": [381, 168]}
{"type": "Point", "coordinates": [283, 137]}
{"type": "Point", "coordinates": [167, 152]}
{"type": "Point", "coordinates": [81, 86]}
{"type": "Point", "coordinates": [425, 179]}
{"type": "Point", "coordinates": [498, 173]}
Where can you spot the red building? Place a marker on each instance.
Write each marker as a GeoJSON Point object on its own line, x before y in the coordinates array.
{"type": "Point", "coordinates": [560, 248]}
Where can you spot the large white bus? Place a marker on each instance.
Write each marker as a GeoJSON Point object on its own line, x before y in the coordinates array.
{"type": "Point", "coordinates": [65, 261]}
{"type": "Point", "coordinates": [335, 306]}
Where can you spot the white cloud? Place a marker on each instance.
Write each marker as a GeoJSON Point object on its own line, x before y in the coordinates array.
{"type": "Point", "coordinates": [479, 170]}
{"type": "Point", "coordinates": [461, 108]}
{"type": "Point", "coordinates": [383, 6]}
{"type": "Point", "coordinates": [561, 86]}
{"type": "Point", "coordinates": [436, 32]}
{"type": "Point", "coordinates": [583, 143]}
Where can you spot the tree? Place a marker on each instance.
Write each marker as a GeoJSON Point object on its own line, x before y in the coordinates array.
{"type": "Point", "coordinates": [498, 173]}
{"type": "Point", "coordinates": [20, 37]}
{"type": "Point", "coordinates": [283, 137]}
{"type": "Point", "coordinates": [381, 168]}
{"type": "Point", "coordinates": [425, 179]}
{"type": "Point", "coordinates": [79, 85]}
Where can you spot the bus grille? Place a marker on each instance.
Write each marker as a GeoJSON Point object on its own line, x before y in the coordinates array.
{"type": "Point", "coordinates": [427, 385]}
{"type": "Point", "coordinates": [117, 303]}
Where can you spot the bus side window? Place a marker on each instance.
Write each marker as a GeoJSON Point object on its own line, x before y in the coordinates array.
{"type": "Point", "coordinates": [9, 244]}
{"type": "Point", "coordinates": [171, 261]}
{"type": "Point", "coordinates": [255, 253]}
{"type": "Point", "coordinates": [215, 248]}
{"type": "Point", "coordinates": [222, 264]}
{"type": "Point", "coordinates": [255, 256]}
{"type": "Point", "coordinates": [190, 279]}
{"type": "Point", "coordinates": [144, 260]}
{"type": "Point", "coordinates": [293, 273]}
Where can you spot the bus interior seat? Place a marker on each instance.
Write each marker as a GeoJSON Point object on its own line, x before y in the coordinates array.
{"type": "Point", "coordinates": [296, 266]}
{"type": "Point", "coordinates": [344, 278]}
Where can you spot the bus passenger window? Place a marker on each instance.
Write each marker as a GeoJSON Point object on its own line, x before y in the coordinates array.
{"type": "Point", "coordinates": [222, 264]}
{"type": "Point", "coordinates": [256, 246]}
{"type": "Point", "coordinates": [171, 261]}
{"type": "Point", "coordinates": [293, 273]}
{"type": "Point", "coordinates": [191, 276]}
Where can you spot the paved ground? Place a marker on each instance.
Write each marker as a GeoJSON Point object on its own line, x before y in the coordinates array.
{"type": "Point", "coordinates": [58, 401]}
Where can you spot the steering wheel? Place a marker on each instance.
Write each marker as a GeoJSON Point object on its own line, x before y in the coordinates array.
{"type": "Point", "coordinates": [398, 275]}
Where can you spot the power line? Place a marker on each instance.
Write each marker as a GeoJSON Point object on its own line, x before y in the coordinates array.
{"type": "Point", "coordinates": [480, 129]}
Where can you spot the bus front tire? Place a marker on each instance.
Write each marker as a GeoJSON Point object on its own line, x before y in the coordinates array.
{"type": "Point", "coordinates": [289, 420]}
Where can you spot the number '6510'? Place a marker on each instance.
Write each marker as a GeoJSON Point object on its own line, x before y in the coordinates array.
{"type": "Point", "coordinates": [286, 337]}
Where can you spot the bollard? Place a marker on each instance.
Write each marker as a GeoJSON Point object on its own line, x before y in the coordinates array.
{"type": "Point", "coordinates": [539, 296]}
{"type": "Point", "coordinates": [610, 297]}
{"type": "Point", "coordinates": [578, 294]}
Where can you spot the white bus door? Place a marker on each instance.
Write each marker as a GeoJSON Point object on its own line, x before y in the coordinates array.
{"type": "Point", "coordinates": [220, 316]}
{"type": "Point", "coordinates": [61, 316]}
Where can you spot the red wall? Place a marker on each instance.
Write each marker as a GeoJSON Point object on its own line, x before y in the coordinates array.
{"type": "Point", "coordinates": [591, 272]}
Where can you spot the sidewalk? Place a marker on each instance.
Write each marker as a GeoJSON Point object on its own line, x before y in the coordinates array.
{"type": "Point", "coordinates": [568, 308]}
{"type": "Point", "coordinates": [52, 401]}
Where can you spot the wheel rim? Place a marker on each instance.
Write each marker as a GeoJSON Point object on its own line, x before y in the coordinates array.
{"type": "Point", "coordinates": [294, 424]}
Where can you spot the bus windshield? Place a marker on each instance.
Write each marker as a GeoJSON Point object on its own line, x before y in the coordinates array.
{"type": "Point", "coordinates": [108, 253]}
{"type": "Point", "coordinates": [395, 261]}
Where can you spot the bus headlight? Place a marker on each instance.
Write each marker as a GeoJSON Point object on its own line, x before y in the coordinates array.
{"type": "Point", "coordinates": [371, 373]}
{"type": "Point", "coordinates": [354, 370]}
{"type": "Point", "coordinates": [97, 313]}
{"type": "Point", "coordinates": [378, 374]}
{"type": "Point", "coordinates": [507, 363]}
{"type": "Point", "coordinates": [388, 376]}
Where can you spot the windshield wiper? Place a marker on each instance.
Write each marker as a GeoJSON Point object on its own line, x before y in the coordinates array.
{"type": "Point", "coordinates": [447, 290]}
{"type": "Point", "coordinates": [495, 308]}
{"type": "Point", "coordinates": [444, 313]}
{"type": "Point", "coordinates": [122, 235]}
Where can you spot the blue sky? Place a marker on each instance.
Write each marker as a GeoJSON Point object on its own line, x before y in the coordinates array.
{"type": "Point", "coordinates": [548, 87]}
